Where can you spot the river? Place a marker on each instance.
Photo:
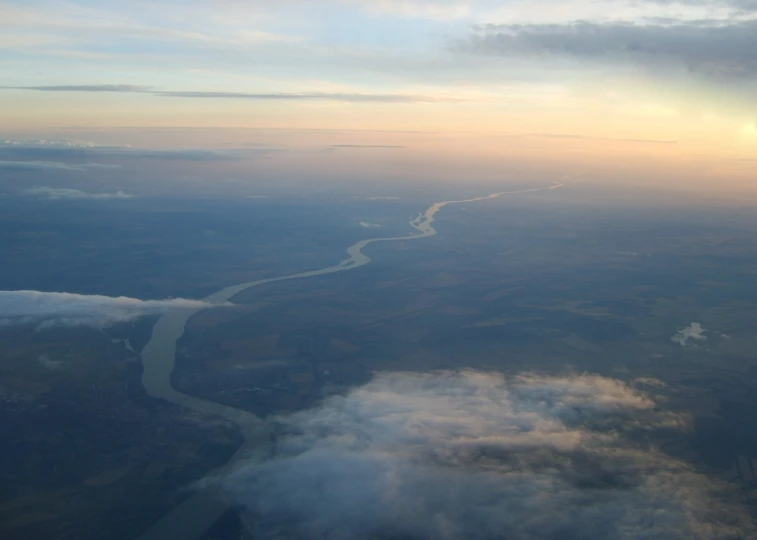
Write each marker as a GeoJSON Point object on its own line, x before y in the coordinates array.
{"type": "Point", "coordinates": [190, 519]}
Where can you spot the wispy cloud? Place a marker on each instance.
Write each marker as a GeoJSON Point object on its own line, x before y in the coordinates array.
{"type": "Point", "coordinates": [369, 146]}
{"type": "Point", "coordinates": [87, 88]}
{"type": "Point", "coordinates": [366, 225]}
{"type": "Point", "coordinates": [477, 455]}
{"type": "Point", "coordinates": [307, 96]}
{"type": "Point", "coordinates": [348, 97]}
{"type": "Point", "coordinates": [587, 138]}
{"type": "Point", "coordinates": [47, 309]}
{"type": "Point", "coordinates": [52, 165]}
{"type": "Point", "coordinates": [66, 193]}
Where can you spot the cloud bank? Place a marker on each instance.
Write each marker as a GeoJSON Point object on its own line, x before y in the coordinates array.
{"type": "Point", "coordinates": [52, 166]}
{"type": "Point", "coordinates": [739, 6]}
{"type": "Point", "coordinates": [477, 456]}
{"type": "Point", "coordinates": [66, 193]}
{"type": "Point", "coordinates": [49, 309]}
{"type": "Point", "coordinates": [714, 49]}
{"type": "Point", "coordinates": [47, 142]}
{"type": "Point", "coordinates": [64, 149]}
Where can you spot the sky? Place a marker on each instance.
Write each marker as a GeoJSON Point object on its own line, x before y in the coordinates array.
{"type": "Point", "coordinates": [648, 91]}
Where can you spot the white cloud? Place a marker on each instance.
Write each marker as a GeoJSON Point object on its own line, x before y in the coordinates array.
{"type": "Point", "coordinates": [55, 143]}
{"type": "Point", "coordinates": [430, 9]}
{"type": "Point", "coordinates": [65, 193]}
{"type": "Point", "coordinates": [477, 455]}
{"type": "Point", "coordinates": [366, 225]}
{"type": "Point", "coordinates": [38, 165]}
{"type": "Point", "coordinates": [693, 332]}
{"type": "Point", "coordinates": [67, 309]}
{"type": "Point", "coordinates": [19, 165]}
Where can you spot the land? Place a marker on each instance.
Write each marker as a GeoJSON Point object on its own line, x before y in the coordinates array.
{"type": "Point", "coordinates": [512, 287]}
{"type": "Point", "coordinates": [528, 283]}
{"type": "Point", "coordinates": [86, 453]}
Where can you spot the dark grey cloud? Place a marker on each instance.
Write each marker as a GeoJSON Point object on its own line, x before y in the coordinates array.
{"type": "Point", "coordinates": [86, 88]}
{"type": "Point", "coordinates": [274, 96]}
{"type": "Point", "coordinates": [715, 49]}
{"type": "Point", "coordinates": [739, 6]}
{"type": "Point", "coordinates": [313, 96]}
{"type": "Point", "coordinates": [476, 455]}
{"type": "Point", "coordinates": [48, 309]}
{"type": "Point", "coordinates": [377, 146]}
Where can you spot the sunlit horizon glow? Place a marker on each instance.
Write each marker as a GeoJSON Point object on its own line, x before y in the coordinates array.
{"type": "Point", "coordinates": [581, 85]}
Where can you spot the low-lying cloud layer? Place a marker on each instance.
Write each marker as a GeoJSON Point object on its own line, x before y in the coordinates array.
{"type": "Point", "coordinates": [51, 166]}
{"type": "Point", "coordinates": [26, 150]}
{"type": "Point", "coordinates": [477, 456]}
{"type": "Point", "coordinates": [49, 309]}
{"type": "Point", "coordinates": [67, 193]}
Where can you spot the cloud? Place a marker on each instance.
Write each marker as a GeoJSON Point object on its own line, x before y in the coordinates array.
{"type": "Point", "coordinates": [308, 96]}
{"type": "Point", "coordinates": [740, 6]}
{"type": "Point", "coordinates": [47, 142]}
{"type": "Point", "coordinates": [366, 225]}
{"type": "Point", "coordinates": [39, 165]}
{"type": "Point", "coordinates": [376, 146]}
{"type": "Point", "coordinates": [476, 455]}
{"type": "Point", "coordinates": [48, 309]}
{"type": "Point", "coordinates": [586, 138]}
{"type": "Point", "coordinates": [272, 96]}
{"type": "Point", "coordinates": [63, 149]}
{"type": "Point", "coordinates": [87, 88]}
{"type": "Point", "coordinates": [65, 193]}
{"type": "Point", "coordinates": [53, 166]}
{"type": "Point", "coordinates": [693, 332]}
{"type": "Point", "coordinates": [649, 381]}
{"type": "Point", "coordinates": [430, 9]}
{"type": "Point", "coordinates": [715, 49]}
{"type": "Point", "coordinates": [189, 154]}
{"type": "Point", "coordinates": [46, 362]}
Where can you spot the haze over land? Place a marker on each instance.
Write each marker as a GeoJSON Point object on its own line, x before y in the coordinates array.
{"type": "Point", "coordinates": [391, 269]}
{"type": "Point", "coordinates": [624, 92]}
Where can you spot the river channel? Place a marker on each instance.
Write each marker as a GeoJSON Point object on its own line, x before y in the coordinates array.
{"type": "Point", "coordinates": [190, 519]}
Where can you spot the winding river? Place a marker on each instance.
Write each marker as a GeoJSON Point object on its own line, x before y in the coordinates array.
{"type": "Point", "coordinates": [196, 514]}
